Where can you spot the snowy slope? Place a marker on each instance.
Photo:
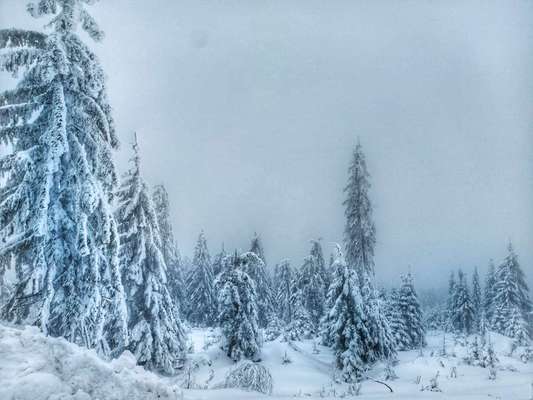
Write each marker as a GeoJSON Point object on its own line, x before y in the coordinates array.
{"type": "Point", "coordinates": [35, 367]}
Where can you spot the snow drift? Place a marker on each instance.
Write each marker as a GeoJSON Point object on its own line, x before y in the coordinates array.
{"type": "Point", "coordinates": [36, 367]}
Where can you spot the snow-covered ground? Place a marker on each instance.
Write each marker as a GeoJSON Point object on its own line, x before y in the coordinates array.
{"type": "Point", "coordinates": [34, 367]}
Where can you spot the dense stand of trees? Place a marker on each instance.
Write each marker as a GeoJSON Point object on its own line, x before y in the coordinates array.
{"type": "Point", "coordinates": [115, 280]}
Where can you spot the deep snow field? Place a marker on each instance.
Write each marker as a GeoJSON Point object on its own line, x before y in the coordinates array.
{"type": "Point", "coordinates": [35, 367]}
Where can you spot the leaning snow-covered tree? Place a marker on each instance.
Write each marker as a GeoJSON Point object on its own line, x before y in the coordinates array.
{"type": "Point", "coordinates": [176, 283]}
{"type": "Point", "coordinates": [237, 316]}
{"type": "Point", "coordinates": [254, 266]}
{"type": "Point", "coordinates": [156, 335]}
{"type": "Point", "coordinates": [55, 215]}
{"type": "Point", "coordinates": [199, 283]}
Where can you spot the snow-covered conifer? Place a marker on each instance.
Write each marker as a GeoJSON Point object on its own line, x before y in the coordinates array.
{"type": "Point", "coordinates": [254, 266]}
{"type": "Point", "coordinates": [301, 326]}
{"type": "Point", "coordinates": [411, 314]}
{"type": "Point", "coordinates": [397, 326]}
{"type": "Point", "coordinates": [218, 261]}
{"type": "Point", "coordinates": [359, 231]}
{"type": "Point", "coordinates": [344, 327]}
{"type": "Point", "coordinates": [318, 254]}
{"type": "Point", "coordinates": [237, 311]}
{"type": "Point", "coordinates": [511, 303]}
{"type": "Point", "coordinates": [256, 246]}
{"type": "Point", "coordinates": [488, 295]}
{"type": "Point", "coordinates": [283, 285]}
{"type": "Point", "coordinates": [55, 216]}
{"type": "Point", "coordinates": [156, 335]}
{"type": "Point", "coordinates": [450, 306]}
{"type": "Point", "coordinates": [379, 344]}
{"type": "Point", "coordinates": [477, 300]}
{"type": "Point", "coordinates": [462, 317]}
{"type": "Point", "coordinates": [360, 239]}
{"type": "Point", "coordinates": [309, 281]}
{"type": "Point", "coordinates": [176, 283]}
{"type": "Point", "coordinates": [199, 286]}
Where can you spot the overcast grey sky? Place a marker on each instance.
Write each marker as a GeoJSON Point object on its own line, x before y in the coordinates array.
{"type": "Point", "coordinates": [248, 112]}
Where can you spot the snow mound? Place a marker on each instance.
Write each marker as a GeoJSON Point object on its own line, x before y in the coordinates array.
{"type": "Point", "coordinates": [250, 376]}
{"type": "Point", "coordinates": [36, 367]}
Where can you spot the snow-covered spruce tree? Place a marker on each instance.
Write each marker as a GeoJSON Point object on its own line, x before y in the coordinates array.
{"type": "Point", "coordinates": [488, 294]}
{"type": "Point", "coordinates": [254, 266]}
{"type": "Point", "coordinates": [156, 335]}
{"type": "Point", "coordinates": [462, 319]}
{"type": "Point", "coordinates": [309, 280]}
{"type": "Point", "coordinates": [477, 300]}
{"type": "Point", "coordinates": [199, 283]}
{"type": "Point", "coordinates": [360, 239]}
{"type": "Point", "coordinates": [237, 312]}
{"type": "Point", "coordinates": [175, 281]}
{"type": "Point", "coordinates": [301, 325]}
{"type": "Point", "coordinates": [283, 286]}
{"type": "Point", "coordinates": [343, 327]}
{"type": "Point", "coordinates": [55, 215]}
{"type": "Point", "coordinates": [411, 313]}
{"type": "Point", "coordinates": [218, 261]}
{"type": "Point", "coordinates": [397, 326]}
{"type": "Point", "coordinates": [318, 254]}
{"type": "Point", "coordinates": [359, 231]}
{"type": "Point", "coordinates": [256, 246]}
{"type": "Point", "coordinates": [511, 298]}
{"type": "Point", "coordinates": [517, 327]}
{"type": "Point", "coordinates": [450, 302]}
{"type": "Point", "coordinates": [379, 345]}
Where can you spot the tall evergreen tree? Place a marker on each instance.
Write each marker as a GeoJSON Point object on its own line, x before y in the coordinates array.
{"type": "Point", "coordinates": [254, 266]}
{"type": "Point", "coordinates": [477, 300]}
{"type": "Point", "coordinates": [360, 239]}
{"type": "Point", "coordinates": [359, 231]}
{"type": "Point", "coordinates": [310, 282]}
{"type": "Point", "coordinates": [176, 283]}
{"type": "Point", "coordinates": [511, 297]}
{"type": "Point", "coordinates": [488, 298]}
{"type": "Point", "coordinates": [283, 286]}
{"type": "Point", "coordinates": [59, 177]}
{"type": "Point", "coordinates": [156, 335]}
{"type": "Point", "coordinates": [237, 316]}
{"type": "Point", "coordinates": [199, 285]}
